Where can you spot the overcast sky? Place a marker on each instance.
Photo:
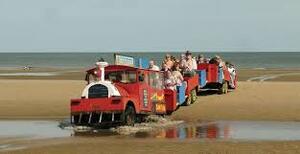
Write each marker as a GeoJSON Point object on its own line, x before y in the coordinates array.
{"type": "Point", "coordinates": [149, 25]}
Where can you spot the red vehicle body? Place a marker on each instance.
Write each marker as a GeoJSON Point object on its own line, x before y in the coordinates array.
{"type": "Point", "coordinates": [115, 100]}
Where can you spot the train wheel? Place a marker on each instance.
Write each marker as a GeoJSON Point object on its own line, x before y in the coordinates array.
{"type": "Point", "coordinates": [188, 100]}
{"type": "Point", "coordinates": [194, 95]}
{"type": "Point", "coordinates": [128, 116]}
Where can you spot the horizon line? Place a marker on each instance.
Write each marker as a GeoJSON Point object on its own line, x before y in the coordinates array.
{"type": "Point", "coordinates": [166, 51]}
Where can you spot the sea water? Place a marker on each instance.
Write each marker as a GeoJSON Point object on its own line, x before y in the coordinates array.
{"type": "Point", "coordinates": [257, 60]}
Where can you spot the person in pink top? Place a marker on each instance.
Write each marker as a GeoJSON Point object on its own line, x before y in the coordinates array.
{"type": "Point", "coordinates": [176, 72]}
{"type": "Point", "coordinates": [170, 82]}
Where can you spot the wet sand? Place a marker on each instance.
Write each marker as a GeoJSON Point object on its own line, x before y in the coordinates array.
{"type": "Point", "coordinates": [251, 101]}
{"type": "Point", "coordinates": [132, 146]}
{"type": "Point", "coordinates": [48, 98]}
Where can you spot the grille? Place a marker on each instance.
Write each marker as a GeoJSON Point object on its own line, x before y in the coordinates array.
{"type": "Point", "coordinates": [98, 91]}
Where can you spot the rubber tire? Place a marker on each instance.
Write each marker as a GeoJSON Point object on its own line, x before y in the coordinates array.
{"type": "Point", "coordinates": [188, 100]}
{"type": "Point", "coordinates": [128, 116]}
{"type": "Point", "coordinates": [193, 96]}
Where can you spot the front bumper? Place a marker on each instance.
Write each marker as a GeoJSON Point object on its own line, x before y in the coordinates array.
{"type": "Point", "coordinates": [96, 118]}
{"type": "Point", "coordinates": [95, 112]}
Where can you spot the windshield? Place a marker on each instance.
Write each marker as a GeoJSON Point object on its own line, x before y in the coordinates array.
{"type": "Point", "coordinates": [121, 76]}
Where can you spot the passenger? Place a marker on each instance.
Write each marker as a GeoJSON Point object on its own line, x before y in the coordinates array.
{"type": "Point", "coordinates": [217, 60]}
{"type": "Point", "coordinates": [194, 63]}
{"type": "Point", "coordinates": [164, 67]}
{"type": "Point", "coordinates": [168, 61]}
{"type": "Point", "coordinates": [191, 62]}
{"type": "Point", "coordinates": [170, 82]}
{"type": "Point", "coordinates": [201, 59]}
{"type": "Point", "coordinates": [173, 59]}
{"type": "Point", "coordinates": [177, 74]}
{"type": "Point", "coordinates": [152, 66]}
{"type": "Point", "coordinates": [206, 60]}
{"type": "Point", "coordinates": [232, 73]}
{"type": "Point", "coordinates": [182, 63]}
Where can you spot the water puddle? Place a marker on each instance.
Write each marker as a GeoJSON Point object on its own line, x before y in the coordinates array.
{"type": "Point", "coordinates": [10, 147]}
{"type": "Point", "coordinates": [32, 129]}
{"type": "Point", "coordinates": [219, 130]}
{"type": "Point", "coordinates": [231, 130]}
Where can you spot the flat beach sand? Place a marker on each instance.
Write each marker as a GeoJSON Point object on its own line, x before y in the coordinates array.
{"type": "Point", "coordinates": [29, 98]}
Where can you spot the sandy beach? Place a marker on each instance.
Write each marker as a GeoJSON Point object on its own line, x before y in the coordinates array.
{"type": "Point", "coordinates": [23, 99]}
{"type": "Point", "coordinates": [48, 98]}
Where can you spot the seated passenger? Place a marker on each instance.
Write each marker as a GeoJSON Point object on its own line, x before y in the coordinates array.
{"type": "Point", "coordinates": [170, 82]}
{"type": "Point", "coordinates": [206, 60]}
{"type": "Point", "coordinates": [168, 61]}
{"type": "Point", "coordinates": [182, 63]}
{"type": "Point", "coordinates": [177, 74]}
{"type": "Point", "coordinates": [164, 67]}
{"type": "Point", "coordinates": [217, 60]}
{"type": "Point", "coordinates": [191, 62]}
{"type": "Point", "coordinates": [152, 66]}
{"type": "Point", "coordinates": [201, 59]}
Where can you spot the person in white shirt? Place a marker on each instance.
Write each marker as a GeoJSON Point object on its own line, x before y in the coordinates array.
{"type": "Point", "coordinates": [191, 61]}
{"type": "Point", "coordinates": [232, 73]}
{"type": "Point", "coordinates": [194, 67]}
{"type": "Point", "coordinates": [152, 66]}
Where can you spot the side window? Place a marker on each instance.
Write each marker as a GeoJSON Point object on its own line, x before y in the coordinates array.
{"type": "Point", "coordinates": [131, 77]}
{"type": "Point", "coordinates": [143, 77]}
{"type": "Point", "coordinates": [159, 78]}
{"type": "Point", "coordinates": [155, 80]}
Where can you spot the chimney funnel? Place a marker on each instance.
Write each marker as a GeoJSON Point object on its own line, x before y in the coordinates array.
{"type": "Point", "coordinates": [101, 66]}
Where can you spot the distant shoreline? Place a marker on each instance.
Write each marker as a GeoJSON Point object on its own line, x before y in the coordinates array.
{"type": "Point", "coordinates": [54, 73]}
{"type": "Point", "coordinates": [143, 51]}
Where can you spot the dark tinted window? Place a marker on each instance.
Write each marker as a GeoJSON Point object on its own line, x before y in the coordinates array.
{"type": "Point", "coordinates": [98, 91]}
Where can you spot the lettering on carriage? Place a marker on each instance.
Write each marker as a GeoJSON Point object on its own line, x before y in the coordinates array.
{"type": "Point", "coordinates": [145, 98]}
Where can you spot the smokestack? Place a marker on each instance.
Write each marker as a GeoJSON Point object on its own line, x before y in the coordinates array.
{"type": "Point", "coordinates": [101, 66]}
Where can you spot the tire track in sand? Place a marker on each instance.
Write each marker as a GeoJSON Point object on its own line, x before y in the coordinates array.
{"type": "Point", "coordinates": [269, 77]}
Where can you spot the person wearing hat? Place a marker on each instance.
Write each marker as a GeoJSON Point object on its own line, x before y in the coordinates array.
{"type": "Point", "coordinates": [201, 59]}
{"type": "Point", "coordinates": [191, 62]}
{"type": "Point", "coordinates": [182, 62]}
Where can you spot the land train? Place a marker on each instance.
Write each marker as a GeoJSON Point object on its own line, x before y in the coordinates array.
{"type": "Point", "coordinates": [123, 95]}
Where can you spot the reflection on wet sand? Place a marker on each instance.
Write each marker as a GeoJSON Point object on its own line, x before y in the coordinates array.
{"type": "Point", "coordinates": [209, 131]}
{"type": "Point", "coordinates": [220, 130]}
{"type": "Point", "coordinates": [235, 130]}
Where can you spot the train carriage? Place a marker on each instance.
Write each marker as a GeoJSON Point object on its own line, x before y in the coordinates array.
{"type": "Point", "coordinates": [212, 76]}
